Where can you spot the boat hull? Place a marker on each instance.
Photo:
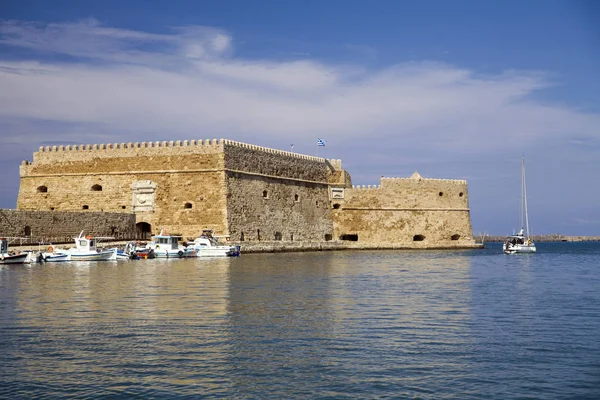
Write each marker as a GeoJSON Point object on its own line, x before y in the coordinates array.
{"type": "Point", "coordinates": [56, 258]}
{"type": "Point", "coordinates": [13, 259]}
{"type": "Point", "coordinates": [174, 254]}
{"type": "Point", "coordinates": [520, 249]}
{"type": "Point", "coordinates": [218, 252]}
{"type": "Point", "coordinates": [100, 256]}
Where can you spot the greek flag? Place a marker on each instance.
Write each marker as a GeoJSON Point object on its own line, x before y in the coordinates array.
{"type": "Point", "coordinates": [320, 142]}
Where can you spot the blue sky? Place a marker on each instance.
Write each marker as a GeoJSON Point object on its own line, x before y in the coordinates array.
{"type": "Point", "coordinates": [452, 89]}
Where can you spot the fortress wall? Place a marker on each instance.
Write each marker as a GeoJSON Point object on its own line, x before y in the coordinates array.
{"type": "Point", "coordinates": [204, 192]}
{"type": "Point", "coordinates": [180, 177]}
{"type": "Point", "coordinates": [398, 227]}
{"type": "Point", "coordinates": [401, 208]}
{"type": "Point", "coordinates": [263, 206]}
{"type": "Point", "coordinates": [410, 193]}
{"type": "Point", "coordinates": [254, 172]}
{"type": "Point", "coordinates": [55, 226]}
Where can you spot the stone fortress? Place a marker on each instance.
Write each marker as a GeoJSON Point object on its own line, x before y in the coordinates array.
{"type": "Point", "coordinates": [248, 193]}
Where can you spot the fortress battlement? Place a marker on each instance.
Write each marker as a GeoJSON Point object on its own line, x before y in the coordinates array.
{"type": "Point", "coordinates": [366, 187]}
{"type": "Point", "coordinates": [136, 149]}
{"type": "Point", "coordinates": [436, 180]}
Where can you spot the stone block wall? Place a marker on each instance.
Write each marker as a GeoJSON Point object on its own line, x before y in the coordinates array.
{"type": "Point", "coordinates": [56, 227]}
{"type": "Point", "coordinates": [188, 179]}
{"type": "Point", "coordinates": [276, 196]}
{"type": "Point", "coordinates": [405, 212]}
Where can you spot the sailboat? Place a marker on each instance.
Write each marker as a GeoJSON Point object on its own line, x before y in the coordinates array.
{"type": "Point", "coordinates": [521, 242]}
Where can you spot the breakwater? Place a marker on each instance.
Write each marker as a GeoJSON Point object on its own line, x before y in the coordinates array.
{"type": "Point", "coordinates": [547, 238]}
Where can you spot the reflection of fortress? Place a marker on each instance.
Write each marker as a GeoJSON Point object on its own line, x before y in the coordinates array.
{"type": "Point", "coordinates": [249, 192]}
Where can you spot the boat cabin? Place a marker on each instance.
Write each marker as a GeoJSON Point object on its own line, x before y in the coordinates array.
{"type": "Point", "coordinates": [515, 240]}
{"type": "Point", "coordinates": [85, 244]}
{"type": "Point", "coordinates": [3, 246]}
{"type": "Point", "coordinates": [165, 242]}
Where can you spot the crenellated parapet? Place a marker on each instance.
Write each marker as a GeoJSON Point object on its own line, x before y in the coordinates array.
{"type": "Point", "coordinates": [366, 187]}
{"type": "Point", "coordinates": [131, 145]}
{"type": "Point", "coordinates": [78, 152]}
{"type": "Point", "coordinates": [392, 181]}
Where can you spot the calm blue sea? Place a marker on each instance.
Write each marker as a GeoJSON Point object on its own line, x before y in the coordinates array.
{"type": "Point", "coordinates": [327, 325]}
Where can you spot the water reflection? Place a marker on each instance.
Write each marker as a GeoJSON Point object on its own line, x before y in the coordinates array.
{"type": "Point", "coordinates": [93, 323]}
{"type": "Point", "coordinates": [341, 315]}
{"type": "Point", "coordinates": [325, 324]}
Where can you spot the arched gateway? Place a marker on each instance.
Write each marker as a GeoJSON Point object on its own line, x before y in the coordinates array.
{"type": "Point", "coordinates": [143, 230]}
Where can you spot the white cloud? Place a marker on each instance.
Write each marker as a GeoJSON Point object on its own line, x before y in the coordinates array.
{"type": "Point", "coordinates": [188, 83]}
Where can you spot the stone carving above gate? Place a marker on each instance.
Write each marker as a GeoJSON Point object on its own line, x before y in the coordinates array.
{"type": "Point", "coordinates": [144, 195]}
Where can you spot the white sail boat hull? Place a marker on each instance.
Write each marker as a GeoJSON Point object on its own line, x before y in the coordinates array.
{"type": "Point", "coordinates": [519, 248]}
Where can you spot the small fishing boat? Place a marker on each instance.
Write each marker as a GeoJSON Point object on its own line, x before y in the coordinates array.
{"type": "Point", "coordinates": [167, 246]}
{"type": "Point", "coordinates": [55, 255]}
{"type": "Point", "coordinates": [8, 258]}
{"type": "Point", "coordinates": [85, 250]}
{"type": "Point", "coordinates": [207, 245]}
{"type": "Point", "coordinates": [521, 242]}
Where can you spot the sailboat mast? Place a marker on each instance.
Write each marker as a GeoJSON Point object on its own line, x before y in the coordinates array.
{"type": "Point", "coordinates": [525, 199]}
{"type": "Point", "coordinates": [522, 191]}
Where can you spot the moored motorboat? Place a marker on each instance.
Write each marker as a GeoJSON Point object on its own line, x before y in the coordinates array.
{"type": "Point", "coordinates": [55, 255]}
{"type": "Point", "coordinates": [167, 246]}
{"type": "Point", "coordinates": [207, 245]}
{"type": "Point", "coordinates": [8, 258]}
{"type": "Point", "coordinates": [85, 250]}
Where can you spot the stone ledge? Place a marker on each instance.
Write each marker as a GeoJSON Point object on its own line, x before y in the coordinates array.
{"type": "Point", "coordinates": [290, 247]}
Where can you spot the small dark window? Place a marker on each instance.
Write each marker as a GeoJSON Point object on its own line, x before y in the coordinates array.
{"type": "Point", "coordinates": [258, 234]}
{"type": "Point", "coordinates": [27, 231]}
{"type": "Point", "coordinates": [317, 203]}
{"type": "Point", "coordinates": [441, 194]}
{"type": "Point", "coordinates": [123, 207]}
{"type": "Point", "coordinates": [187, 205]}
{"type": "Point", "coordinates": [42, 189]}
{"type": "Point", "coordinates": [418, 238]}
{"type": "Point", "coordinates": [455, 237]}
{"type": "Point", "coordinates": [352, 238]}
{"type": "Point", "coordinates": [291, 237]}
{"type": "Point", "coordinates": [336, 206]}
{"type": "Point", "coordinates": [265, 194]}
{"type": "Point", "coordinates": [86, 207]}
{"type": "Point", "coordinates": [328, 237]}
{"type": "Point", "coordinates": [296, 197]}
{"type": "Point", "coordinates": [242, 237]}
{"type": "Point", "coordinates": [97, 188]}
{"type": "Point", "coordinates": [51, 208]}
{"type": "Point", "coordinates": [278, 236]}
{"type": "Point", "coordinates": [460, 194]}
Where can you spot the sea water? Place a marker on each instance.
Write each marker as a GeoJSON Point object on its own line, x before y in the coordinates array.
{"type": "Point", "coordinates": [339, 325]}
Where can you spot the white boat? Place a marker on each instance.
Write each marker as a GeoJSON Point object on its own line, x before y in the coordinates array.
{"type": "Point", "coordinates": [7, 258]}
{"type": "Point", "coordinates": [521, 242]}
{"type": "Point", "coordinates": [167, 246]}
{"type": "Point", "coordinates": [55, 255]}
{"type": "Point", "coordinates": [207, 245]}
{"type": "Point", "coordinates": [85, 250]}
